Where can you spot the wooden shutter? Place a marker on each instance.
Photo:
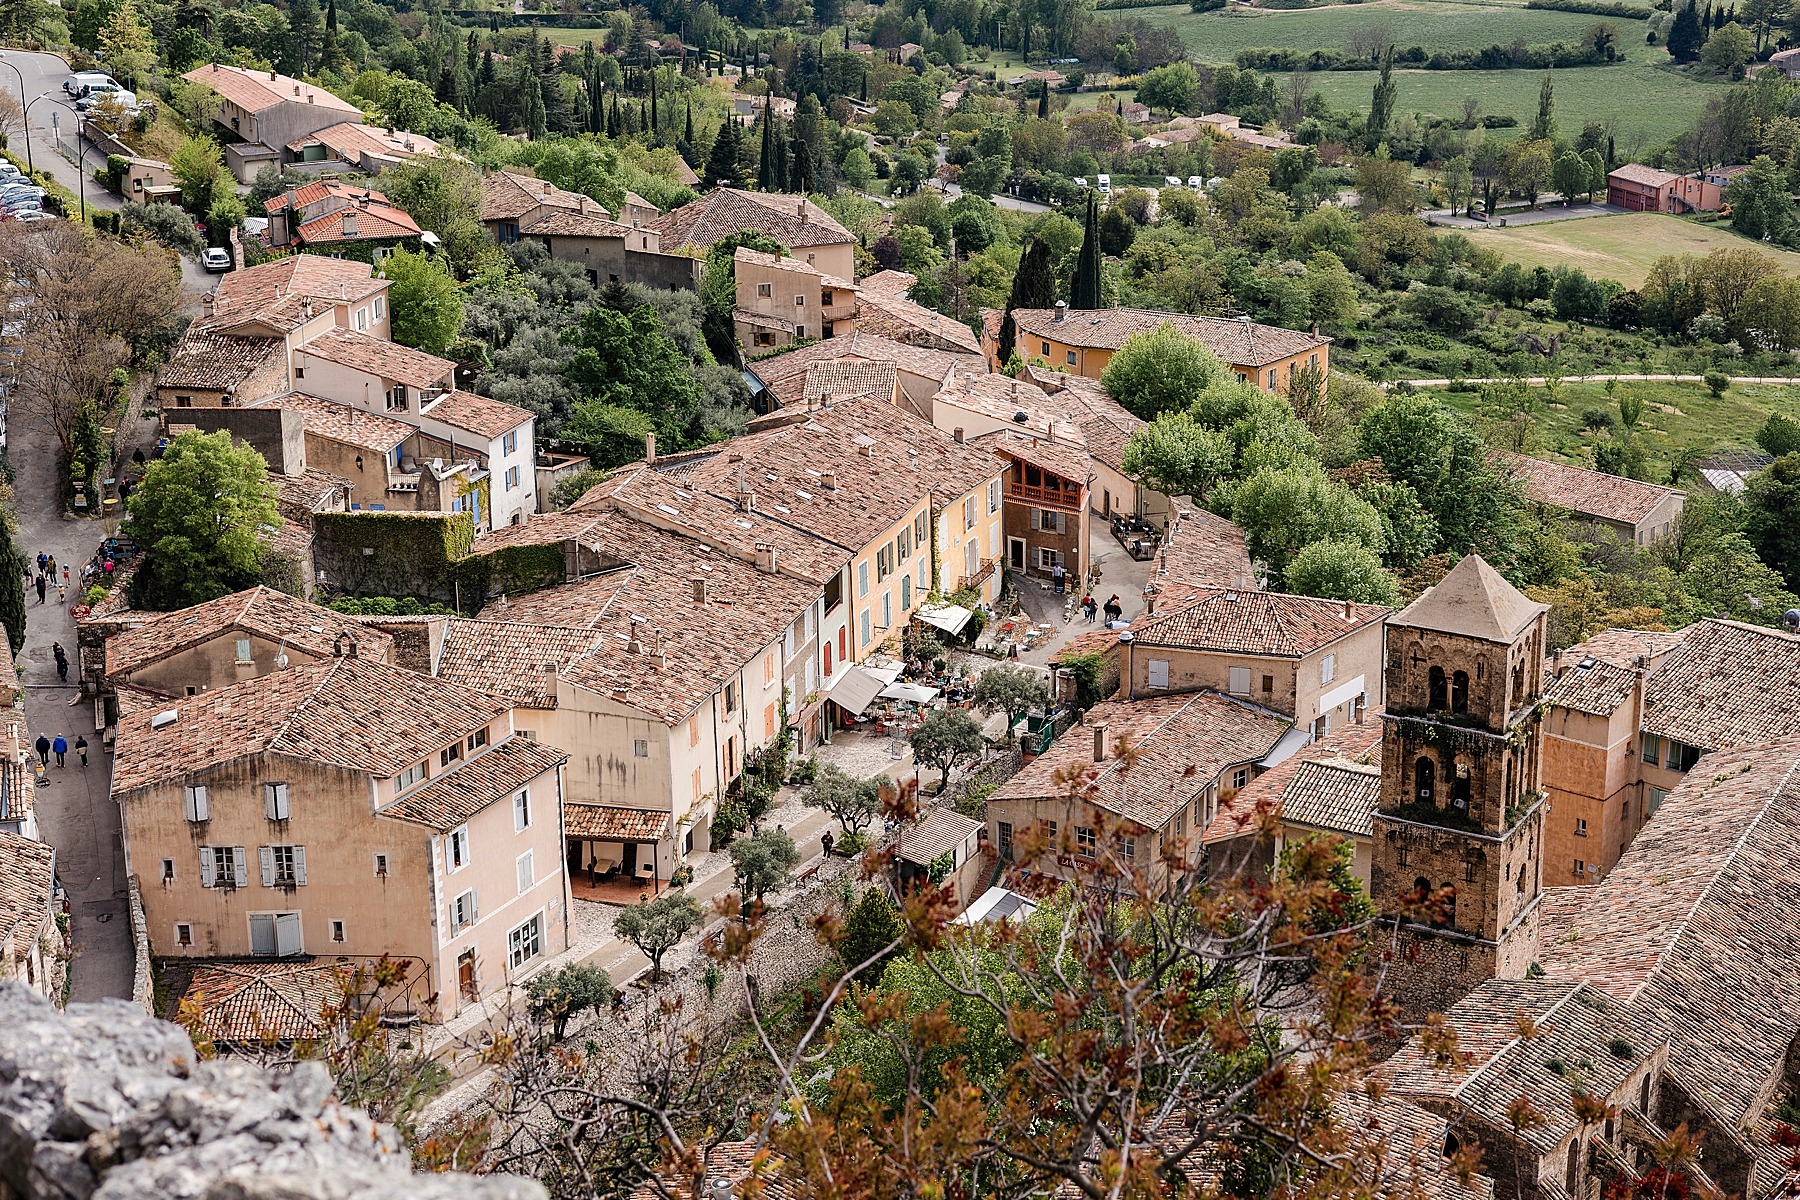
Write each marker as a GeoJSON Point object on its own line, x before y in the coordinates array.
{"type": "Point", "coordinates": [266, 857]}
{"type": "Point", "coordinates": [287, 933]}
{"type": "Point", "coordinates": [194, 804]}
{"type": "Point", "coordinates": [300, 865]}
{"type": "Point", "coordinates": [275, 801]}
{"type": "Point", "coordinates": [262, 933]}
{"type": "Point", "coordinates": [240, 866]}
{"type": "Point", "coordinates": [206, 866]}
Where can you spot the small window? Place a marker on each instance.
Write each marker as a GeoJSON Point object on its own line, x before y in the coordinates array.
{"type": "Point", "coordinates": [1085, 841]}
{"type": "Point", "coordinates": [731, 697]}
{"type": "Point", "coordinates": [640, 747]}
{"type": "Point", "coordinates": [1240, 681]}
{"type": "Point", "coordinates": [381, 866]}
{"type": "Point", "coordinates": [478, 739]}
{"type": "Point", "coordinates": [799, 301]}
{"type": "Point", "coordinates": [408, 778]}
{"type": "Point", "coordinates": [765, 290]}
{"type": "Point", "coordinates": [1580, 867]}
{"type": "Point", "coordinates": [1046, 348]}
{"type": "Point", "coordinates": [1240, 777]}
{"type": "Point", "coordinates": [1580, 827]}
{"type": "Point", "coordinates": [1328, 668]}
{"type": "Point", "coordinates": [337, 930]}
{"type": "Point", "coordinates": [525, 943]}
{"type": "Point", "coordinates": [184, 934]}
{"type": "Point", "coordinates": [1071, 358]}
{"type": "Point", "coordinates": [243, 650]}
{"type": "Point", "coordinates": [451, 753]}
{"type": "Point", "coordinates": [510, 443]}
{"type": "Point", "coordinates": [168, 870]}
{"type": "Point", "coordinates": [457, 854]}
{"type": "Point", "coordinates": [512, 479]}
{"type": "Point", "coordinates": [1268, 685]}
{"type": "Point", "coordinates": [993, 497]}
{"type": "Point", "coordinates": [194, 804]}
{"type": "Point", "coordinates": [522, 810]}
{"type": "Point", "coordinates": [1157, 673]}
{"type": "Point", "coordinates": [1652, 746]}
{"type": "Point", "coordinates": [462, 911]}
{"type": "Point", "coordinates": [527, 872]}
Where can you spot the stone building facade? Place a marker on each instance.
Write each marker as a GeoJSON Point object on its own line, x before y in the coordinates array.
{"type": "Point", "coordinates": [1457, 855]}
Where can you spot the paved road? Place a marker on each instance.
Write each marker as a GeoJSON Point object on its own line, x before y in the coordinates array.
{"type": "Point", "coordinates": [75, 810]}
{"type": "Point", "coordinates": [1538, 380]}
{"type": "Point", "coordinates": [43, 75]}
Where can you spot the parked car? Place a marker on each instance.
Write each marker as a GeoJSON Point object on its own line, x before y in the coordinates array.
{"type": "Point", "coordinates": [77, 84]}
{"type": "Point", "coordinates": [32, 214]}
{"type": "Point", "coordinates": [34, 194]}
{"type": "Point", "coordinates": [215, 259]}
{"type": "Point", "coordinates": [88, 98]}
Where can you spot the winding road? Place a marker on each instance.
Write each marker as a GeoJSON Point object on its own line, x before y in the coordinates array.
{"type": "Point", "coordinates": [37, 79]}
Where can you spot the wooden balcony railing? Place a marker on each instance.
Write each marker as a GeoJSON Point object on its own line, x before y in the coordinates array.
{"type": "Point", "coordinates": [1057, 497]}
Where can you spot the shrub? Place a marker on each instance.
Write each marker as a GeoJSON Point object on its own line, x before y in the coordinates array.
{"type": "Point", "coordinates": [1596, 419]}
{"type": "Point", "coordinates": [1716, 383]}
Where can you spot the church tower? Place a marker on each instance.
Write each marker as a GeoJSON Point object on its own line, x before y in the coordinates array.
{"type": "Point", "coordinates": [1460, 823]}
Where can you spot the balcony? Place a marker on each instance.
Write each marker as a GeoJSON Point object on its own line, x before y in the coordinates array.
{"type": "Point", "coordinates": [988, 567]}
{"type": "Point", "coordinates": [1054, 497]}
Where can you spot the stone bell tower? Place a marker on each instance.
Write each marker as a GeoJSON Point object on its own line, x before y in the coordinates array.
{"type": "Point", "coordinates": [1460, 823]}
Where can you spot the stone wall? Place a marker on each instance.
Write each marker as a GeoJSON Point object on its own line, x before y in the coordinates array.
{"type": "Point", "coordinates": [104, 1102]}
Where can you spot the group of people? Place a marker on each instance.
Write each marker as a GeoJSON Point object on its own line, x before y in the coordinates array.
{"type": "Point", "coordinates": [45, 747]}
{"type": "Point", "coordinates": [47, 578]}
{"type": "Point", "coordinates": [1113, 609]}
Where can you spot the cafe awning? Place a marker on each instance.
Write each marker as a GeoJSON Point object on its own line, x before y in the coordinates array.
{"type": "Point", "coordinates": [918, 693]}
{"type": "Point", "coordinates": [856, 690]}
{"type": "Point", "coordinates": [948, 617]}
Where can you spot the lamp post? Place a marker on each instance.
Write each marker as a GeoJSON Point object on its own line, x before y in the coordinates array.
{"type": "Point", "coordinates": [26, 120]}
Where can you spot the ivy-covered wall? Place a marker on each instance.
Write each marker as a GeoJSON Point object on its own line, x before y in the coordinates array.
{"type": "Point", "coordinates": [512, 570]}
{"type": "Point", "coordinates": [394, 554]}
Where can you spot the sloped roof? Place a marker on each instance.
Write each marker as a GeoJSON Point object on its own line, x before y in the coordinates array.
{"type": "Point", "coordinates": [372, 221]}
{"type": "Point", "coordinates": [894, 316]}
{"type": "Point", "coordinates": [508, 195]}
{"type": "Point", "coordinates": [1203, 550]}
{"type": "Point", "coordinates": [27, 881]}
{"type": "Point", "coordinates": [271, 290]}
{"type": "Point", "coordinates": [457, 795]}
{"type": "Point", "coordinates": [1358, 743]}
{"type": "Point", "coordinates": [255, 91]}
{"type": "Point", "coordinates": [791, 220]}
{"type": "Point", "coordinates": [1472, 600]}
{"type": "Point", "coordinates": [476, 414]}
{"type": "Point", "coordinates": [359, 139]}
{"type": "Point", "coordinates": [1335, 795]}
{"type": "Point", "coordinates": [607, 823]}
{"type": "Point", "coordinates": [1590, 685]}
{"type": "Point", "coordinates": [218, 361]}
{"type": "Point", "coordinates": [1181, 743]}
{"type": "Point", "coordinates": [248, 1002]}
{"type": "Point", "coordinates": [1069, 462]}
{"type": "Point", "coordinates": [745, 254]}
{"type": "Point", "coordinates": [1639, 173]}
{"type": "Point", "coordinates": [508, 658]}
{"type": "Point", "coordinates": [784, 373]}
{"type": "Point", "coordinates": [1726, 684]}
{"type": "Point", "coordinates": [939, 832]}
{"type": "Point", "coordinates": [373, 356]}
{"type": "Point", "coordinates": [577, 224]}
{"type": "Point", "coordinates": [352, 713]}
{"type": "Point", "coordinates": [260, 610]}
{"type": "Point", "coordinates": [1588, 493]}
{"type": "Point", "coordinates": [1240, 343]}
{"type": "Point", "coordinates": [1267, 624]}
{"type": "Point", "coordinates": [343, 422]}
{"type": "Point", "coordinates": [834, 382]}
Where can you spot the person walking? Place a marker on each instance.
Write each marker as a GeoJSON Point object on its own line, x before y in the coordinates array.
{"type": "Point", "coordinates": [62, 593]}
{"type": "Point", "coordinates": [43, 560]}
{"type": "Point", "coordinates": [1057, 575]}
{"type": "Point", "coordinates": [41, 585]}
{"type": "Point", "coordinates": [826, 842]}
{"type": "Point", "coordinates": [42, 746]}
{"type": "Point", "coordinates": [53, 566]}
{"type": "Point", "coordinates": [62, 661]}
{"type": "Point", "coordinates": [81, 748]}
{"type": "Point", "coordinates": [1114, 610]}
{"type": "Point", "coordinates": [65, 577]}
{"type": "Point", "coordinates": [1089, 609]}
{"type": "Point", "coordinates": [61, 747]}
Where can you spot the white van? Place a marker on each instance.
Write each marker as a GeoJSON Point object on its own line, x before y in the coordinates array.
{"type": "Point", "coordinates": [1105, 185]}
{"type": "Point", "coordinates": [77, 85]}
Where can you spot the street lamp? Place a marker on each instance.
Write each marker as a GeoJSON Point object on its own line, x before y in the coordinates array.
{"type": "Point", "coordinates": [15, 70]}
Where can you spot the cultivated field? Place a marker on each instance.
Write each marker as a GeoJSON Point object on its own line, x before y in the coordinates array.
{"type": "Point", "coordinates": [1617, 247]}
{"type": "Point", "coordinates": [1434, 24]}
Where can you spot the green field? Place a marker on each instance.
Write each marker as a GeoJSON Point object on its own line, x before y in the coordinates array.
{"type": "Point", "coordinates": [1617, 247]}
{"type": "Point", "coordinates": [1650, 100]}
{"type": "Point", "coordinates": [1678, 417]}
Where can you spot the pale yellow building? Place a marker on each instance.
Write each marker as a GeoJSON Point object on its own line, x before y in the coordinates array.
{"type": "Point", "coordinates": [782, 300]}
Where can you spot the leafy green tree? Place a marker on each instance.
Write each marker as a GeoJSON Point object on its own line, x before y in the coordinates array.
{"type": "Point", "coordinates": [1014, 691]}
{"type": "Point", "coordinates": [1528, 165]}
{"type": "Point", "coordinates": [854, 803]}
{"type": "Point", "coordinates": [763, 863]}
{"type": "Point", "coordinates": [1117, 231]}
{"type": "Point", "coordinates": [1457, 182]}
{"type": "Point", "coordinates": [443, 195]}
{"type": "Point", "coordinates": [1728, 49]}
{"type": "Point", "coordinates": [1761, 206]}
{"type": "Point", "coordinates": [1176, 455]}
{"type": "Point", "coordinates": [12, 585]}
{"type": "Point", "coordinates": [873, 926]}
{"type": "Point", "coordinates": [424, 302]}
{"type": "Point", "coordinates": [1084, 290]}
{"type": "Point", "coordinates": [128, 46]}
{"type": "Point", "coordinates": [1333, 291]}
{"type": "Point", "coordinates": [1780, 435]}
{"type": "Point", "coordinates": [1161, 370]}
{"type": "Point", "coordinates": [945, 740]}
{"type": "Point", "coordinates": [1570, 176]}
{"type": "Point", "coordinates": [1171, 88]}
{"type": "Point", "coordinates": [657, 926]}
{"type": "Point", "coordinates": [1346, 903]}
{"type": "Point", "coordinates": [557, 995]}
{"type": "Point", "coordinates": [1543, 126]}
{"type": "Point", "coordinates": [1381, 102]}
{"type": "Point", "coordinates": [200, 517]}
{"type": "Point", "coordinates": [1341, 571]}
{"type": "Point", "coordinates": [1685, 35]}
{"type": "Point", "coordinates": [610, 434]}
{"type": "Point", "coordinates": [722, 162]}
{"type": "Point", "coordinates": [198, 166]}
{"type": "Point", "coordinates": [1771, 499]}
{"type": "Point", "coordinates": [628, 360]}
{"type": "Point", "coordinates": [1411, 532]}
{"type": "Point", "coordinates": [858, 168]}
{"type": "Point", "coordinates": [1440, 456]}
{"type": "Point", "coordinates": [1283, 509]}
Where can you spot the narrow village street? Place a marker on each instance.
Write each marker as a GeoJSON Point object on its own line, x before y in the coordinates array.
{"type": "Point", "coordinates": [75, 811]}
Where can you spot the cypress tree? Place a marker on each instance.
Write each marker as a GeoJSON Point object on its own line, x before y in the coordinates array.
{"type": "Point", "coordinates": [765, 161]}
{"type": "Point", "coordinates": [1381, 101]}
{"type": "Point", "coordinates": [1544, 127]}
{"type": "Point", "coordinates": [721, 164]}
{"type": "Point", "coordinates": [644, 116]}
{"type": "Point", "coordinates": [1034, 283]}
{"type": "Point", "coordinates": [1084, 290]}
{"type": "Point", "coordinates": [1044, 100]}
{"type": "Point", "coordinates": [12, 588]}
{"type": "Point", "coordinates": [1685, 35]}
{"type": "Point", "coordinates": [655, 124]}
{"type": "Point", "coordinates": [689, 136]}
{"type": "Point", "coordinates": [800, 168]}
{"type": "Point", "coordinates": [865, 87]}
{"type": "Point", "coordinates": [331, 19]}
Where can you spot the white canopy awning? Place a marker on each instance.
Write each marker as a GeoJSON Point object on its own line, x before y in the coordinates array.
{"type": "Point", "coordinates": [948, 617]}
{"type": "Point", "coordinates": [856, 689]}
{"type": "Point", "coordinates": [918, 693]}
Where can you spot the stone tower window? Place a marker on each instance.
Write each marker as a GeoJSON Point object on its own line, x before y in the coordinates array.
{"type": "Point", "coordinates": [1459, 692]}
{"type": "Point", "coordinates": [1439, 699]}
{"type": "Point", "coordinates": [1449, 891]}
{"type": "Point", "coordinates": [1459, 788]}
{"type": "Point", "coordinates": [1425, 779]}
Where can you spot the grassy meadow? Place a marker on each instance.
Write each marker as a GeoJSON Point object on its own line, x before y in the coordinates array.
{"type": "Point", "coordinates": [1620, 247]}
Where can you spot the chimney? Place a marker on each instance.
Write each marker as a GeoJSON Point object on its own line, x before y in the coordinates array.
{"type": "Point", "coordinates": [292, 198]}
{"type": "Point", "coordinates": [747, 501]}
{"type": "Point", "coordinates": [207, 301]}
{"type": "Point", "coordinates": [650, 447]}
{"type": "Point", "coordinates": [1346, 610]}
{"type": "Point", "coordinates": [1062, 310]}
{"type": "Point", "coordinates": [765, 558]}
{"type": "Point", "coordinates": [800, 208]}
{"type": "Point", "coordinates": [700, 590]}
{"type": "Point", "coordinates": [272, 75]}
{"type": "Point", "coordinates": [956, 435]}
{"type": "Point", "coordinates": [1100, 743]}
{"type": "Point", "coordinates": [349, 224]}
{"type": "Point", "coordinates": [829, 479]}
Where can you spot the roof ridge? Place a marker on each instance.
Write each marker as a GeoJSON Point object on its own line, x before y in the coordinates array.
{"type": "Point", "coordinates": [1573, 985]}
{"type": "Point", "coordinates": [332, 665]}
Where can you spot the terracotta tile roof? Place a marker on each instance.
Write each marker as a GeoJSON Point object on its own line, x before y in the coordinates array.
{"type": "Point", "coordinates": [27, 881]}
{"type": "Point", "coordinates": [372, 356]}
{"type": "Point", "coordinates": [353, 713]}
{"type": "Point", "coordinates": [1181, 744]}
{"type": "Point", "coordinates": [834, 383]}
{"type": "Point", "coordinates": [475, 414]}
{"type": "Point", "coordinates": [251, 1002]}
{"type": "Point", "coordinates": [894, 316]}
{"type": "Point", "coordinates": [352, 140]}
{"type": "Point", "coordinates": [312, 193]}
{"type": "Point", "coordinates": [1240, 343]}
{"type": "Point", "coordinates": [1472, 600]}
{"type": "Point", "coordinates": [1588, 493]}
{"type": "Point", "coordinates": [939, 832]}
{"type": "Point", "coordinates": [1335, 795]}
{"type": "Point", "coordinates": [745, 254]}
{"type": "Point", "coordinates": [1695, 931]}
{"type": "Point", "coordinates": [1639, 173]}
{"type": "Point", "coordinates": [784, 373]}
{"type": "Point", "coordinates": [1588, 684]}
{"type": "Point", "coordinates": [311, 491]}
{"type": "Point", "coordinates": [1202, 550]}
{"type": "Point", "coordinates": [260, 610]}
{"type": "Point", "coordinates": [606, 823]}
{"type": "Point", "coordinates": [218, 361]}
{"type": "Point", "coordinates": [928, 361]}
{"type": "Point", "coordinates": [274, 292]}
{"type": "Point", "coordinates": [256, 91]}
{"type": "Point", "coordinates": [343, 422]}
{"type": "Point", "coordinates": [576, 224]}
{"type": "Point", "coordinates": [458, 794]}
{"type": "Point", "coordinates": [359, 222]}
{"type": "Point", "coordinates": [1570, 1024]}
{"type": "Point", "coordinates": [891, 282]}
{"type": "Point", "coordinates": [1727, 684]}
{"type": "Point", "coordinates": [1069, 462]}
{"type": "Point", "coordinates": [1356, 743]}
{"type": "Point", "coordinates": [1003, 398]}
{"type": "Point", "coordinates": [508, 195]}
{"type": "Point", "coordinates": [579, 605]}
{"type": "Point", "coordinates": [718, 214]}
{"type": "Point", "coordinates": [1624, 647]}
{"type": "Point", "coordinates": [507, 658]}
{"type": "Point", "coordinates": [1104, 421]}
{"type": "Point", "coordinates": [1268, 624]}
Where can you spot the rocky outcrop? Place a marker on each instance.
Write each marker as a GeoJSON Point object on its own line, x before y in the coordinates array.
{"type": "Point", "coordinates": [104, 1102]}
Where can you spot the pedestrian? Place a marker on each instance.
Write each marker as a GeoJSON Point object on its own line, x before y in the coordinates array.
{"type": "Point", "coordinates": [43, 559]}
{"type": "Point", "coordinates": [40, 587]}
{"type": "Point", "coordinates": [81, 748]}
{"type": "Point", "coordinates": [53, 566]}
{"type": "Point", "coordinates": [65, 577]}
{"type": "Point", "coordinates": [1114, 610]}
{"type": "Point", "coordinates": [62, 593]}
{"type": "Point", "coordinates": [62, 661]}
{"type": "Point", "coordinates": [42, 746]}
{"type": "Point", "coordinates": [108, 567]}
{"type": "Point", "coordinates": [826, 842]}
{"type": "Point", "coordinates": [1056, 574]}
{"type": "Point", "coordinates": [1089, 609]}
{"type": "Point", "coordinates": [61, 746]}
